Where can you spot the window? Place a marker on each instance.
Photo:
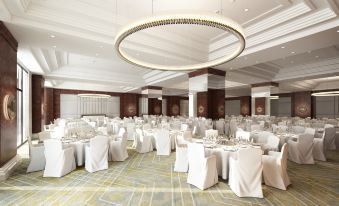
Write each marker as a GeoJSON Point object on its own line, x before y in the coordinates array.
{"type": "Point", "coordinates": [22, 105]}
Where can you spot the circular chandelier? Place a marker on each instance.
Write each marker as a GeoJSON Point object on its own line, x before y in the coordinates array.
{"type": "Point", "coordinates": [213, 21]}
{"type": "Point", "coordinates": [104, 96]}
{"type": "Point", "coordinates": [326, 94]}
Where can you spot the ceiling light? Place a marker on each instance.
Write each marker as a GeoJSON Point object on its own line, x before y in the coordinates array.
{"type": "Point", "coordinates": [54, 46]}
{"type": "Point", "coordinates": [246, 10]}
{"type": "Point", "coordinates": [316, 56]}
{"type": "Point", "coordinates": [94, 95]}
{"type": "Point", "coordinates": [52, 36]}
{"type": "Point", "coordinates": [213, 21]}
{"type": "Point", "coordinates": [282, 47]}
{"type": "Point", "coordinates": [274, 97]}
{"type": "Point", "coordinates": [96, 54]}
{"type": "Point", "coordinates": [293, 52]}
{"type": "Point", "coordinates": [326, 94]}
{"type": "Point", "coordinates": [292, 62]}
{"type": "Point", "coordinates": [338, 31]}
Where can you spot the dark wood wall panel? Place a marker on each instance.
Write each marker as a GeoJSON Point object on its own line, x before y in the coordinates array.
{"type": "Point", "coordinates": [245, 105]}
{"type": "Point", "coordinates": [202, 104]}
{"type": "Point", "coordinates": [8, 72]}
{"type": "Point", "coordinates": [129, 105]}
{"type": "Point", "coordinates": [301, 104]}
{"type": "Point", "coordinates": [154, 106]}
{"type": "Point", "coordinates": [37, 103]}
{"type": "Point", "coordinates": [48, 106]}
{"type": "Point", "coordinates": [260, 103]}
{"type": "Point", "coordinates": [216, 103]}
{"type": "Point", "coordinates": [173, 105]}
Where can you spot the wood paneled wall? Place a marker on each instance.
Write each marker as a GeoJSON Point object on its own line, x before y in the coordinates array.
{"type": "Point", "coordinates": [173, 105]}
{"type": "Point", "coordinates": [202, 104]}
{"type": "Point", "coordinates": [154, 106]}
{"type": "Point", "coordinates": [8, 72]}
{"type": "Point", "coordinates": [129, 105]}
{"type": "Point", "coordinates": [301, 104]}
{"type": "Point", "coordinates": [37, 103]}
{"type": "Point", "coordinates": [216, 103]}
{"type": "Point", "coordinates": [48, 106]}
{"type": "Point", "coordinates": [245, 105]}
{"type": "Point", "coordinates": [260, 103]}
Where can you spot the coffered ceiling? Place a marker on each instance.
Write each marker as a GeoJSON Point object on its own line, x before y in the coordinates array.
{"type": "Point", "coordinates": [70, 42]}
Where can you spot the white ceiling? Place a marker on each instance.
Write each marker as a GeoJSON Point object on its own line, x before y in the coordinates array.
{"type": "Point", "coordinates": [70, 42]}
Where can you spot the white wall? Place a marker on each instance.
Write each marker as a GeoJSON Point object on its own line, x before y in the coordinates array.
{"type": "Point", "coordinates": [72, 106]}
{"type": "Point", "coordinates": [232, 107]}
{"type": "Point", "coordinates": [184, 110]}
{"type": "Point", "coordinates": [327, 107]}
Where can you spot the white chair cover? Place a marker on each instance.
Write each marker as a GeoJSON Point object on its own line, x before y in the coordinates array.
{"type": "Point", "coordinates": [211, 133]}
{"type": "Point", "coordinates": [44, 135]}
{"type": "Point", "coordinates": [59, 161]}
{"type": "Point", "coordinates": [184, 127]}
{"type": "Point", "coordinates": [97, 154]}
{"type": "Point", "coordinates": [202, 171]}
{"type": "Point", "coordinates": [37, 158]}
{"type": "Point", "coordinates": [181, 157]}
{"type": "Point", "coordinates": [245, 173]}
{"type": "Point", "coordinates": [163, 142]}
{"type": "Point", "coordinates": [130, 131]}
{"type": "Point", "coordinates": [309, 130]}
{"type": "Point", "coordinates": [272, 144]}
{"type": "Point", "coordinates": [143, 143]}
{"type": "Point", "coordinates": [275, 168]}
{"type": "Point", "coordinates": [118, 148]}
{"type": "Point", "coordinates": [220, 126]}
{"type": "Point", "coordinates": [243, 135]}
{"type": "Point", "coordinates": [330, 133]}
{"type": "Point", "coordinates": [319, 148]}
{"type": "Point", "coordinates": [298, 129]}
{"type": "Point", "coordinates": [301, 151]}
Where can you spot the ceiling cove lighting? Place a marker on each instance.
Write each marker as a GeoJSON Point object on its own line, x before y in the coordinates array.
{"type": "Point", "coordinates": [274, 97]}
{"type": "Point", "coordinates": [326, 94]}
{"type": "Point", "coordinates": [105, 96]}
{"type": "Point", "coordinates": [213, 21]}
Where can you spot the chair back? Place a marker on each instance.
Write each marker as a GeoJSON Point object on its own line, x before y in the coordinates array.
{"type": "Point", "coordinates": [273, 141]}
{"type": "Point", "coordinates": [196, 153]}
{"type": "Point", "coordinates": [263, 136]}
{"type": "Point", "coordinates": [184, 127]}
{"type": "Point", "coordinates": [329, 137]}
{"type": "Point", "coordinates": [283, 157]}
{"type": "Point", "coordinates": [211, 133]}
{"type": "Point", "coordinates": [121, 131]}
{"type": "Point", "coordinates": [309, 130]}
{"type": "Point", "coordinates": [98, 147]}
{"type": "Point", "coordinates": [249, 160]}
{"type": "Point", "coordinates": [242, 135]}
{"type": "Point", "coordinates": [53, 148]}
{"type": "Point", "coordinates": [298, 129]}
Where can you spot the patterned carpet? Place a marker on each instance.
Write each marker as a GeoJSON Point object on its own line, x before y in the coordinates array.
{"type": "Point", "coordinates": [146, 179]}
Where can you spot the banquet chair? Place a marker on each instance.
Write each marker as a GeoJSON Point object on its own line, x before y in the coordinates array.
{"type": "Point", "coordinates": [245, 173]}
{"type": "Point", "coordinates": [44, 135]}
{"type": "Point", "coordinates": [118, 148]}
{"type": "Point", "coordinates": [319, 148]}
{"type": "Point", "coordinates": [195, 132]}
{"type": "Point", "coordinates": [58, 133]}
{"type": "Point", "coordinates": [227, 129]}
{"type": "Point", "coordinates": [256, 127]}
{"type": "Point", "coordinates": [298, 129]}
{"type": "Point", "coordinates": [163, 142]}
{"type": "Point", "coordinates": [96, 154]}
{"type": "Point", "coordinates": [301, 151]}
{"type": "Point", "coordinates": [202, 171]}
{"type": "Point", "coordinates": [220, 126]}
{"type": "Point", "coordinates": [130, 131]}
{"type": "Point", "coordinates": [233, 128]}
{"type": "Point", "coordinates": [143, 143]}
{"type": "Point", "coordinates": [309, 130]}
{"type": "Point", "coordinates": [146, 126]}
{"type": "Point", "coordinates": [184, 127]}
{"type": "Point", "coordinates": [37, 157]}
{"type": "Point", "coordinates": [263, 137]}
{"type": "Point", "coordinates": [181, 158]}
{"type": "Point", "coordinates": [59, 161]}
{"type": "Point", "coordinates": [275, 168]}
{"type": "Point", "coordinates": [272, 143]}
{"type": "Point", "coordinates": [211, 133]}
{"type": "Point", "coordinates": [329, 138]}
{"type": "Point", "coordinates": [242, 135]}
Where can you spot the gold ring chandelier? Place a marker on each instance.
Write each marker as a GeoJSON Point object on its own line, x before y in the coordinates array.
{"type": "Point", "coordinates": [213, 21]}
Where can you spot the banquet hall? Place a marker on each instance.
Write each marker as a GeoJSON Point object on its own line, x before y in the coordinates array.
{"type": "Point", "coordinates": [169, 102]}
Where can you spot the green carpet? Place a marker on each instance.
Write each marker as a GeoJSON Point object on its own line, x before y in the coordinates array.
{"type": "Point", "coordinates": [147, 179]}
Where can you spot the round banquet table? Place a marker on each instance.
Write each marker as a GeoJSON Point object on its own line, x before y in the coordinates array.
{"type": "Point", "coordinates": [152, 132]}
{"type": "Point", "coordinates": [79, 150]}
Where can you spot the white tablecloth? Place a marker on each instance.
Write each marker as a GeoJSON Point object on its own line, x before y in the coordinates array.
{"type": "Point", "coordinates": [79, 150]}
{"type": "Point", "coordinates": [151, 132]}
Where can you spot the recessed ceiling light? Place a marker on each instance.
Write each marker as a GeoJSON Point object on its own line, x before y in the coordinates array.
{"type": "Point", "coordinates": [246, 10]}
{"type": "Point", "coordinates": [101, 46]}
{"type": "Point", "coordinates": [231, 68]}
{"type": "Point", "coordinates": [316, 56]}
{"type": "Point", "coordinates": [308, 51]}
{"type": "Point", "coordinates": [52, 36]}
{"type": "Point", "coordinates": [54, 46]}
{"type": "Point", "coordinates": [96, 54]}
{"type": "Point", "coordinates": [293, 52]}
{"type": "Point", "coordinates": [282, 47]}
{"type": "Point", "coordinates": [292, 62]}
{"type": "Point", "coordinates": [138, 54]}
{"type": "Point", "coordinates": [338, 30]}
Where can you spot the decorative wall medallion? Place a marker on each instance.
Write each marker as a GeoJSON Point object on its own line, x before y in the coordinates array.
{"type": "Point", "coordinates": [157, 110]}
{"type": "Point", "coordinates": [302, 109]}
{"type": "Point", "coordinates": [175, 109]}
{"type": "Point", "coordinates": [201, 109]}
{"type": "Point", "coordinates": [9, 107]}
{"type": "Point", "coordinates": [259, 110]}
{"type": "Point", "coordinates": [244, 110]}
{"type": "Point", "coordinates": [221, 110]}
{"type": "Point", "coordinates": [131, 109]}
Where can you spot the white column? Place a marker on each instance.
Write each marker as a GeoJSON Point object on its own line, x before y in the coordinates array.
{"type": "Point", "coordinates": [192, 104]}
